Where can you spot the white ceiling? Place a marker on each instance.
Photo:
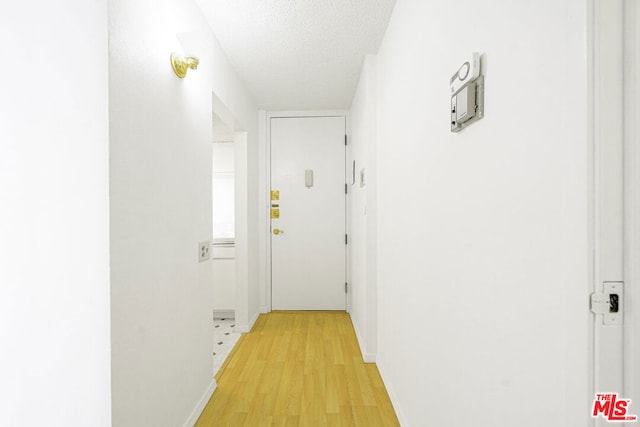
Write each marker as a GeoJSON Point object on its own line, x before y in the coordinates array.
{"type": "Point", "coordinates": [298, 54]}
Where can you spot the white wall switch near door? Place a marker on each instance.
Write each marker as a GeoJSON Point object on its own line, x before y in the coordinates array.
{"type": "Point", "coordinates": [203, 250]}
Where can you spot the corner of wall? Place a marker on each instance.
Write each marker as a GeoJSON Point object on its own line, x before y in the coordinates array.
{"type": "Point", "coordinates": [243, 329]}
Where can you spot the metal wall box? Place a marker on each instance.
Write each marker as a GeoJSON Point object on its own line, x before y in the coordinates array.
{"type": "Point", "coordinates": [467, 104]}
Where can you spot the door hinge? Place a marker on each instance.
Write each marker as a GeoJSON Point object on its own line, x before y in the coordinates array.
{"type": "Point", "coordinates": [345, 287]}
{"type": "Point", "coordinates": [345, 139]}
{"type": "Point", "coordinates": [346, 239]}
{"type": "Point", "coordinates": [345, 188]}
{"type": "Point", "coordinates": [609, 303]}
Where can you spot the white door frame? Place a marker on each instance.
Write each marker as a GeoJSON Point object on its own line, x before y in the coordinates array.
{"type": "Point", "coordinates": [632, 200]}
{"type": "Point", "coordinates": [628, 15]}
{"type": "Point", "coordinates": [265, 188]}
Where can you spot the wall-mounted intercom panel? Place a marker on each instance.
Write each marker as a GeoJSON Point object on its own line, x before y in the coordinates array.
{"type": "Point", "coordinates": [467, 94]}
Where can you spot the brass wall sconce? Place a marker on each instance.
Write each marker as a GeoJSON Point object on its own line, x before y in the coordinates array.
{"type": "Point", "coordinates": [181, 64]}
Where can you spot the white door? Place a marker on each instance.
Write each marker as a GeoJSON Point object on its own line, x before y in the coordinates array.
{"type": "Point", "coordinates": [308, 246]}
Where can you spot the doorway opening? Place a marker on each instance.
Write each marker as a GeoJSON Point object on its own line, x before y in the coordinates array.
{"type": "Point", "coordinates": [228, 239]}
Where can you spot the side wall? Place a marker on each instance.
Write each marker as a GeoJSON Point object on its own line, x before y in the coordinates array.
{"type": "Point", "coordinates": [483, 249]}
{"type": "Point", "coordinates": [54, 207]}
{"type": "Point", "coordinates": [363, 210]}
{"type": "Point", "coordinates": [161, 172]}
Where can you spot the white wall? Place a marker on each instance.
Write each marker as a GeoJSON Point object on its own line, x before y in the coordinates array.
{"type": "Point", "coordinates": [223, 257]}
{"type": "Point", "coordinates": [162, 341]}
{"type": "Point", "coordinates": [241, 271]}
{"type": "Point", "coordinates": [224, 279]}
{"type": "Point", "coordinates": [363, 210]}
{"type": "Point", "coordinates": [482, 244]}
{"type": "Point", "coordinates": [54, 247]}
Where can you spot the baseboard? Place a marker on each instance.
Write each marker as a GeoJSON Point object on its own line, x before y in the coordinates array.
{"type": "Point", "coordinates": [264, 310]}
{"type": "Point", "coordinates": [358, 336]}
{"type": "Point", "coordinates": [253, 320]}
{"type": "Point", "coordinates": [195, 414]}
{"type": "Point", "coordinates": [224, 314]}
{"type": "Point", "coordinates": [392, 394]}
{"type": "Point", "coordinates": [244, 329]}
{"type": "Point", "coordinates": [366, 357]}
{"type": "Point", "coordinates": [369, 358]}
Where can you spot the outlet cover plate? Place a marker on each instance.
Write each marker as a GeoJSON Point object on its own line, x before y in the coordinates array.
{"type": "Point", "coordinates": [203, 250]}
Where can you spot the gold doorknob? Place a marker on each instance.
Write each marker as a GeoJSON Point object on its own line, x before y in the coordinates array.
{"type": "Point", "coordinates": [277, 231]}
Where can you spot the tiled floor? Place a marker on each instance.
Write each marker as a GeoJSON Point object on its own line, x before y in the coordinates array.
{"type": "Point", "coordinates": [224, 340]}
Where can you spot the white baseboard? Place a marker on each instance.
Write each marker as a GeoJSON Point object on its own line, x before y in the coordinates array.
{"type": "Point", "coordinates": [367, 357]}
{"type": "Point", "coordinates": [264, 310]}
{"type": "Point", "coordinates": [195, 414]}
{"type": "Point", "coordinates": [402, 419]}
{"type": "Point", "coordinates": [247, 328]}
{"type": "Point", "coordinates": [224, 314]}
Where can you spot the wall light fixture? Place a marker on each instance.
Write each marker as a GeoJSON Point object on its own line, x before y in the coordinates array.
{"type": "Point", "coordinates": [181, 64]}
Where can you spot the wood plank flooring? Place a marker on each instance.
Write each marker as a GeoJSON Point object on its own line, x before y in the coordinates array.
{"type": "Point", "coordinates": [299, 368]}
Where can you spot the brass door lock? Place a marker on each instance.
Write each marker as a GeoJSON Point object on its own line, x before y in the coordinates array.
{"type": "Point", "coordinates": [277, 231]}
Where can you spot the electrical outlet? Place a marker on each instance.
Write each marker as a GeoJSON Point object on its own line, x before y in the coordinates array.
{"type": "Point", "coordinates": [203, 251]}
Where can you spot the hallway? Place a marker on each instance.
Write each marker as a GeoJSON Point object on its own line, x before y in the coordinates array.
{"type": "Point", "coordinates": [299, 368]}
{"type": "Point", "coordinates": [478, 261]}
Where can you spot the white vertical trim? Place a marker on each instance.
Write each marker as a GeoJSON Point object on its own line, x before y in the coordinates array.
{"type": "Point", "coordinates": [267, 207]}
{"type": "Point", "coordinates": [264, 246]}
{"type": "Point", "coordinates": [609, 181]}
{"type": "Point", "coordinates": [202, 403]}
{"type": "Point", "coordinates": [348, 226]}
{"type": "Point", "coordinates": [632, 201]}
{"type": "Point", "coordinates": [592, 236]}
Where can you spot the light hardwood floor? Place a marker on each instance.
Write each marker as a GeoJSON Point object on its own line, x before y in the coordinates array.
{"type": "Point", "coordinates": [299, 368]}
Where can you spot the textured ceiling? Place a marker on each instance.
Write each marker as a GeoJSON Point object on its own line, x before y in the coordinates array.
{"type": "Point", "coordinates": [298, 54]}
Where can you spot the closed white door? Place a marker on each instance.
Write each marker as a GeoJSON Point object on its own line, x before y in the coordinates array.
{"type": "Point", "coordinates": [308, 247]}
